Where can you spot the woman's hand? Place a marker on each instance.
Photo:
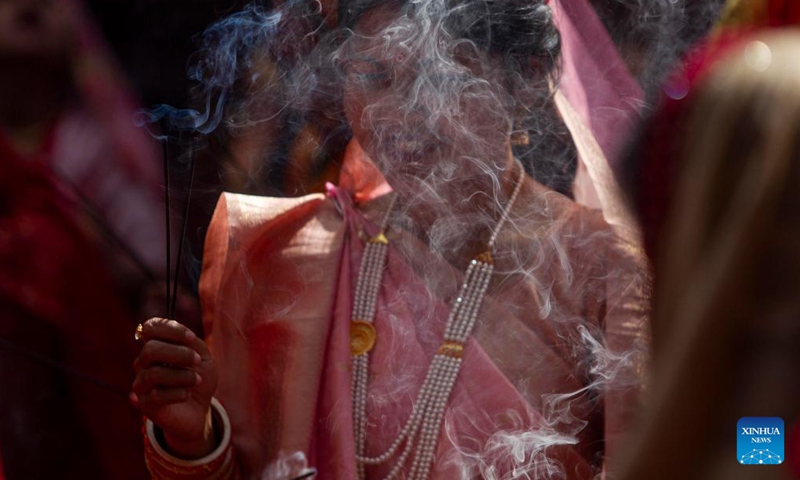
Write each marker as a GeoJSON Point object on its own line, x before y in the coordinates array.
{"type": "Point", "coordinates": [175, 380]}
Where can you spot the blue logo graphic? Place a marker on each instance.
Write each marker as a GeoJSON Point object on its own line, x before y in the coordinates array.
{"type": "Point", "coordinates": [759, 441]}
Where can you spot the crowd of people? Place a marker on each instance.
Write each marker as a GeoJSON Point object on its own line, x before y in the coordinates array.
{"type": "Point", "coordinates": [457, 240]}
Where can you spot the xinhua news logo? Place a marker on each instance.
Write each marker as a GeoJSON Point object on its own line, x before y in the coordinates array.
{"type": "Point", "coordinates": [759, 441]}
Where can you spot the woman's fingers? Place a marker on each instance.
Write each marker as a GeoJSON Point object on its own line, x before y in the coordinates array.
{"type": "Point", "coordinates": [167, 372]}
{"type": "Point", "coordinates": [164, 377]}
{"type": "Point", "coordinates": [167, 331]}
{"type": "Point", "coordinates": [199, 346]}
{"type": "Point", "coordinates": [159, 397]}
{"type": "Point", "coordinates": [156, 352]}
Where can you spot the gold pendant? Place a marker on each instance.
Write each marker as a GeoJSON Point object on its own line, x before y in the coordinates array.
{"type": "Point", "coordinates": [362, 337]}
{"type": "Point", "coordinates": [379, 238]}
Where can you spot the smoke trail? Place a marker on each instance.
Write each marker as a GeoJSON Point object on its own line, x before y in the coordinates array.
{"type": "Point", "coordinates": [526, 446]}
{"type": "Point", "coordinates": [288, 466]}
{"type": "Point", "coordinates": [257, 56]}
{"type": "Point", "coordinates": [516, 452]}
{"type": "Point", "coordinates": [225, 53]}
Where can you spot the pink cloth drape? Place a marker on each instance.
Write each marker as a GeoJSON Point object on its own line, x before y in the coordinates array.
{"type": "Point", "coordinates": [550, 375]}
{"type": "Point", "coordinates": [599, 101]}
{"type": "Point", "coordinates": [595, 80]}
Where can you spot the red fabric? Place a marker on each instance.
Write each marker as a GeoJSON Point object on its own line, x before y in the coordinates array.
{"type": "Point", "coordinates": [783, 13]}
{"type": "Point", "coordinates": [595, 79]}
{"type": "Point", "coordinates": [793, 449]}
{"type": "Point", "coordinates": [59, 303]}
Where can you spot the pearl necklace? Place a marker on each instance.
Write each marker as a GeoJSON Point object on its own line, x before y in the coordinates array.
{"type": "Point", "coordinates": [420, 433]}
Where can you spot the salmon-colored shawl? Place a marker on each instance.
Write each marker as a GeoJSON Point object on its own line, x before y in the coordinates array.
{"type": "Point", "coordinates": [551, 371]}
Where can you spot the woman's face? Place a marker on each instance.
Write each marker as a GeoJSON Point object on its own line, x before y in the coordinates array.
{"type": "Point", "coordinates": [425, 107]}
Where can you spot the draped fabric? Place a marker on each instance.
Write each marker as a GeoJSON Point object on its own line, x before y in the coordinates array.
{"type": "Point", "coordinates": [66, 343]}
{"type": "Point", "coordinates": [600, 102]}
{"type": "Point", "coordinates": [65, 319]}
{"type": "Point", "coordinates": [595, 80]}
{"type": "Point", "coordinates": [550, 375]}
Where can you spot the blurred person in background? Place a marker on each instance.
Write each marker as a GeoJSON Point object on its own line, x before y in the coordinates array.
{"type": "Point", "coordinates": [64, 106]}
{"type": "Point", "coordinates": [81, 233]}
{"type": "Point", "coordinates": [713, 177]}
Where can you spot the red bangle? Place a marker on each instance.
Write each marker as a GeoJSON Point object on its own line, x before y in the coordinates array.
{"type": "Point", "coordinates": [220, 464]}
{"type": "Point", "coordinates": [222, 467]}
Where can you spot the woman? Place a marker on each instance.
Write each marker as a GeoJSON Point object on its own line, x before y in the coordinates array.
{"type": "Point", "coordinates": [63, 104]}
{"type": "Point", "coordinates": [473, 323]}
{"type": "Point", "coordinates": [63, 364]}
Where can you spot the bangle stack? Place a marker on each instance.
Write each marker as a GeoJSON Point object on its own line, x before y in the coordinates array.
{"type": "Point", "coordinates": [218, 465]}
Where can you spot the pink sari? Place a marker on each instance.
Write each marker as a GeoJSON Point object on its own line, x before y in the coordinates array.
{"type": "Point", "coordinates": [550, 374]}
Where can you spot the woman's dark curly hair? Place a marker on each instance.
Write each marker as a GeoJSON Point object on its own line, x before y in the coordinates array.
{"type": "Point", "coordinates": [523, 35]}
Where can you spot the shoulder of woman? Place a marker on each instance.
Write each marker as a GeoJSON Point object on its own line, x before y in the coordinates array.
{"type": "Point", "coordinates": [549, 225]}
{"type": "Point", "coordinates": [248, 228]}
{"type": "Point", "coordinates": [255, 243]}
{"type": "Point", "coordinates": [245, 218]}
{"type": "Point", "coordinates": [547, 212]}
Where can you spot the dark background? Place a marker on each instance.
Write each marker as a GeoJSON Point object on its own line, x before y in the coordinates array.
{"type": "Point", "coordinates": [153, 39]}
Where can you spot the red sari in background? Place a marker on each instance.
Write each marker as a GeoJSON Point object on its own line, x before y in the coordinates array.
{"type": "Point", "coordinates": [59, 305]}
{"type": "Point", "coordinates": [66, 318]}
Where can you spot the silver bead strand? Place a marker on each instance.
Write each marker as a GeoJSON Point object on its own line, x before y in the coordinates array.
{"type": "Point", "coordinates": [419, 435]}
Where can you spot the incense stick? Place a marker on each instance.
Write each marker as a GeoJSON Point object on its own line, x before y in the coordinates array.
{"type": "Point", "coordinates": [182, 237]}
{"type": "Point", "coordinates": [165, 149]}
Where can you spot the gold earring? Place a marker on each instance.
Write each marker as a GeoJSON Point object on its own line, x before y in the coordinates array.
{"type": "Point", "coordinates": [520, 138]}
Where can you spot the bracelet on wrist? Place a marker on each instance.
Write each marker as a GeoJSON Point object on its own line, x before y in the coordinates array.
{"type": "Point", "coordinates": [219, 464]}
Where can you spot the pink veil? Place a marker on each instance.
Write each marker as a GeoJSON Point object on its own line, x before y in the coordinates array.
{"type": "Point", "coordinates": [599, 101]}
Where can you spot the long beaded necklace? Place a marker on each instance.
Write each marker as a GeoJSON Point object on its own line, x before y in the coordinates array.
{"type": "Point", "coordinates": [421, 431]}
